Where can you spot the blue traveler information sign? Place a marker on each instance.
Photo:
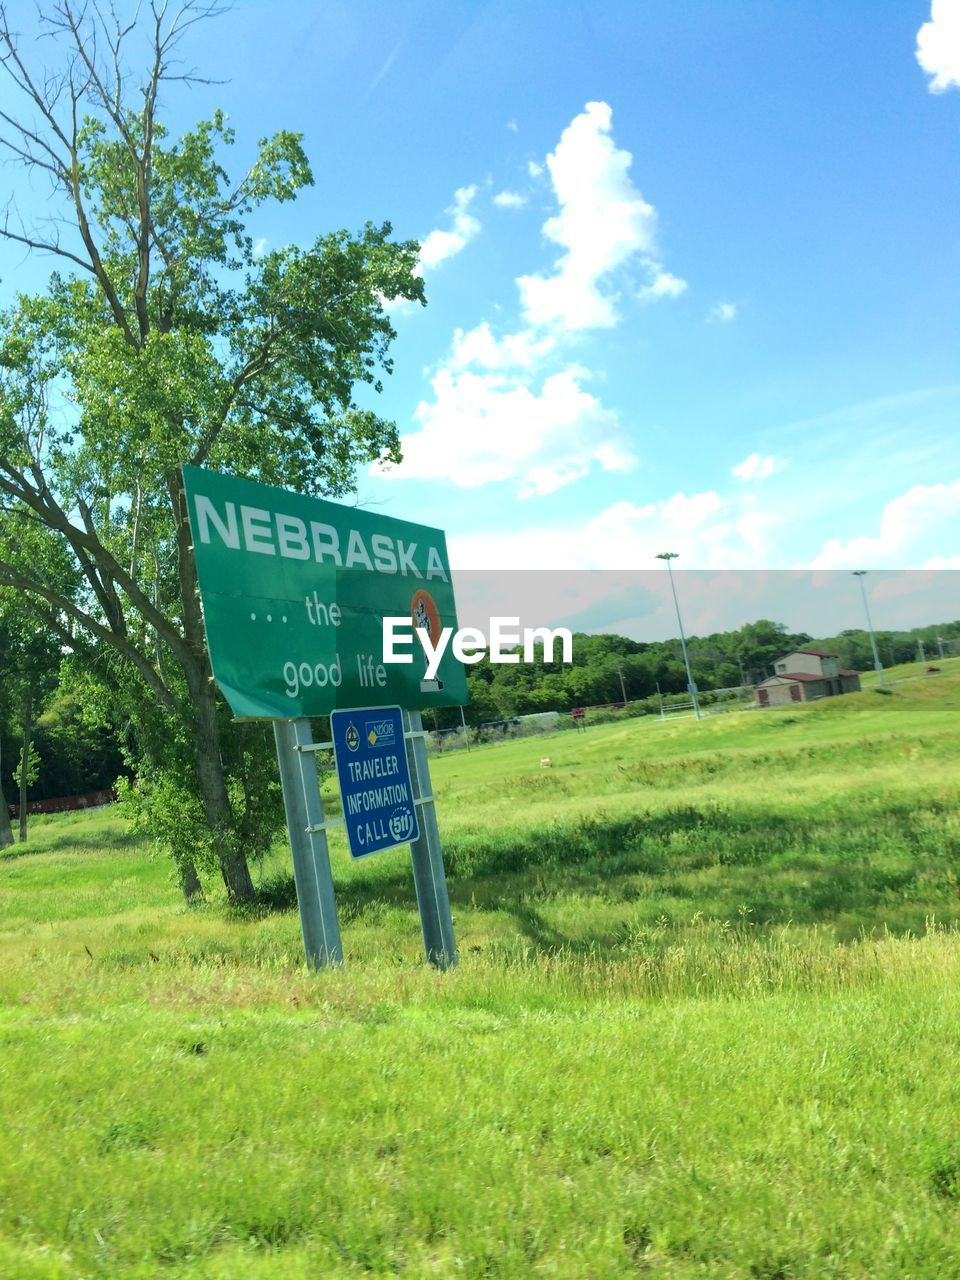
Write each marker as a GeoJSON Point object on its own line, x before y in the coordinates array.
{"type": "Point", "coordinates": [374, 778]}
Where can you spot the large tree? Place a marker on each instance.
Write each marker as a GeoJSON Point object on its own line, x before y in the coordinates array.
{"type": "Point", "coordinates": [163, 338]}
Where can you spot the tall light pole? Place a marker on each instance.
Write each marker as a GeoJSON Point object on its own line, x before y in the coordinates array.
{"type": "Point", "coordinates": [877, 664]}
{"type": "Point", "coordinates": [668, 556]}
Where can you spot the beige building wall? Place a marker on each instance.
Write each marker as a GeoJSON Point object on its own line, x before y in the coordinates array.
{"type": "Point", "coordinates": [808, 663]}
{"type": "Point", "coordinates": [779, 690]}
{"type": "Point", "coordinates": [778, 693]}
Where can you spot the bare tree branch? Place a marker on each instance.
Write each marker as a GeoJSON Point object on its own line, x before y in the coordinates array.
{"type": "Point", "coordinates": [14, 66]}
{"type": "Point", "coordinates": [43, 246]}
{"type": "Point", "coordinates": [45, 99]}
{"type": "Point", "coordinates": [259, 362]}
{"type": "Point", "coordinates": [66, 20]}
{"type": "Point", "coordinates": [87, 547]}
{"type": "Point", "coordinates": [55, 164]}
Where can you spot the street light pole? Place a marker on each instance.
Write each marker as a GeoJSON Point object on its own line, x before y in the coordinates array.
{"type": "Point", "coordinates": [877, 664]}
{"type": "Point", "coordinates": [668, 556]}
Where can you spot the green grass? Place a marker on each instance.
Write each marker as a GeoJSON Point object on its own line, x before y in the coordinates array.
{"type": "Point", "coordinates": [706, 1023]}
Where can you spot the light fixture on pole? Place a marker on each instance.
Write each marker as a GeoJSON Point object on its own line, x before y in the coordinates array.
{"type": "Point", "coordinates": [668, 556]}
{"type": "Point", "coordinates": [877, 664]}
{"type": "Point", "coordinates": [623, 687]}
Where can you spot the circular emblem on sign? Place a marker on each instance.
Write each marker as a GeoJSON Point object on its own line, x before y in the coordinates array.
{"type": "Point", "coordinates": [352, 736]}
{"type": "Point", "coordinates": [425, 614]}
{"type": "Point", "coordinates": [401, 823]}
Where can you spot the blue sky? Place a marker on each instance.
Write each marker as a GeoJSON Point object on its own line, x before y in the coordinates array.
{"type": "Point", "coordinates": [692, 269]}
{"type": "Point", "coordinates": [724, 318]}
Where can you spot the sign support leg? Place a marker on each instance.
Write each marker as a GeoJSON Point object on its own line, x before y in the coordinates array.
{"type": "Point", "coordinates": [426, 854]}
{"type": "Point", "coordinates": [311, 858]}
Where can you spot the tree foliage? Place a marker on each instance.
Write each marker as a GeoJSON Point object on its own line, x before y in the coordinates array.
{"type": "Point", "coordinates": [607, 666]}
{"type": "Point", "coordinates": [30, 654]}
{"type": "Point", "coordinates": [162, 338]}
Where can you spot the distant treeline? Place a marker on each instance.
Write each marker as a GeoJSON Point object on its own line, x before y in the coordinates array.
{"type": "Point", "coordinates": [76, 756]}
{"type": "Point", "coordinates": [607, 668]}
{"type": "Point", "coordinates": [64, 804]}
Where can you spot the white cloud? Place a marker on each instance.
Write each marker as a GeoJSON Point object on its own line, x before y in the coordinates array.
{"type": "Point", "coordinates": [922, 513]}
{"type": "Point", "coordinates": [534, 169]}
{"type": "Point", "coordinates": [260, 246]}
{"type": "Point", "coordinates": [722, 312]}
{"type": "Point", "coordinates": [756, 467]}
{"type": "Point", "coordinates": [509, 200]}
{"type": "Point", "coordinates": [516, 351]}
{"type": "Point", "coordinates": [705, 529]}
{"type": "Point", "coordinates": [396, 307]}
{"type": "Point", "coordinates": [684, 514]}
{"type": "Point", "coordinates": [486, 428]}
{"type": "Point", "coordinates": [489, 419]}
{"type": "Point", "coordinates": [603, 222]}
{"type": "Point", "coordinates": [938, 45]}
{"type": "Point", "coordinates": [439, 244]}
{"type": "Point", "coordinates": [663, 285]}
{"type": "Point", "coordinates": [513, 126]}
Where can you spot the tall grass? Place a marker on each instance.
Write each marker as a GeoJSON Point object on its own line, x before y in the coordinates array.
{"type": "Point", "coordinates": [705, 1024]}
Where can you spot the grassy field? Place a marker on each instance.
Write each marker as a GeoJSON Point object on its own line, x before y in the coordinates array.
{"type": "Point", "coordinates": [706, 1023]}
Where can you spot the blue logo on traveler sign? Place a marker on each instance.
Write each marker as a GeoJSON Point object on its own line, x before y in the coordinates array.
{"type": "Point", "coordinates": [380, 733]}
{"type": "Point", "coordinates": [374, 778]}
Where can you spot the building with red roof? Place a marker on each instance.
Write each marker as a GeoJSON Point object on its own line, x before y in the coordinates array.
{"type": "Point", "coordinates": [804, 676]}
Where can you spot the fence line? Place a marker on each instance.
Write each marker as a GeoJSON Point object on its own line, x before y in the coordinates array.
{"type": "Point", "coordinates": [63, 804]}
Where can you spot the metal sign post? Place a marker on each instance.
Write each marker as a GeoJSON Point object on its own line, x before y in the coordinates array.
{"type": "Point", "coordinates": [308, 842]}
{"type": "Point", "coordinates": [381, 759]}
{"type": "Point", "coordinates": [294, 592]}
{"type": "Point", "coordinates": [426, 854]}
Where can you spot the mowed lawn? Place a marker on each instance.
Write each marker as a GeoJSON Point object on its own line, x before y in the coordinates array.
{"type": "Point", "coordinates": [706, 1022]}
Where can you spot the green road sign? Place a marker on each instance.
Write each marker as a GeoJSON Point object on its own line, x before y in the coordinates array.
{"type": "Point", "coordinates": [294, 592]}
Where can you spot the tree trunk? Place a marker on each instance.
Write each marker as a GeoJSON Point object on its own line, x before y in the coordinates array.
{"type": "Point", "coordinates": [190, 884]}
{"type": "Point", "coordinates": [216, 801]}
{"type": "Point", "coordinates": [25, 761]}
{"type": "Point", "coordinates": [202, 725]}
{"type": "Point", "coordinates": [6, 831]}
